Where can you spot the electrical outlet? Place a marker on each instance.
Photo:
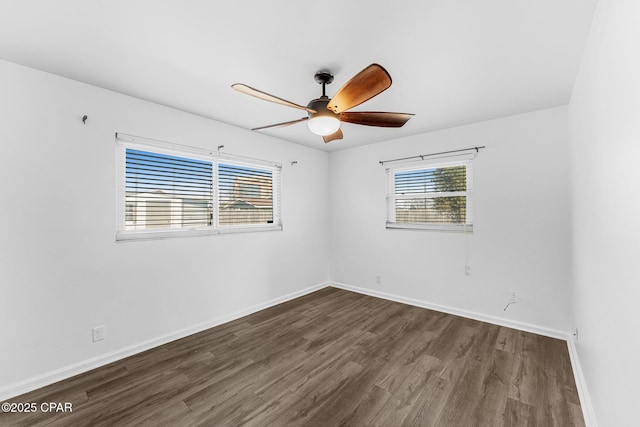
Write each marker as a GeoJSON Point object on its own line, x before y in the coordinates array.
{"type": "Point", "coordinates": [378, 279]}
{"type": "Point", "coordinates": [98, 333]}
{"type": "Point", "coordinates": [467, 270]}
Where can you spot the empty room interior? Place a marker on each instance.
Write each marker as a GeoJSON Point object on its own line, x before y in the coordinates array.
{"type": "Point", "coordinates": [341, 213]}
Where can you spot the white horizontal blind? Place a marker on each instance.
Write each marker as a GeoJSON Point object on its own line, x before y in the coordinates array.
{"type": "Point", "coordinates": [245, 195]}
{"type": "Point", "coordinates": [431, 196]}
{"type": "Point", "coordinates": [167, 190]}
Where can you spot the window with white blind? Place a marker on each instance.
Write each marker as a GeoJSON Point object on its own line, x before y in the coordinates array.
{"type": "Point", "coordinates": [435, 195]}
{"type": "Point", "coordinates": [245, 195]}
{"type": "Point", "coordinates": [169, 190]}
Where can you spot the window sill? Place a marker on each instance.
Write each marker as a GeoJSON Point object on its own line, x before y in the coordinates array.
{"type": "Point", "coordinates": [463, 228]}
{"type": "Point", "coordinates": [129, 236]}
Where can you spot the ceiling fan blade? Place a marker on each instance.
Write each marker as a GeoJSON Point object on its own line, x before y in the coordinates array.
{"type": "Point", "coordinates": [363, 86]}
{"type": "Point", "coordinates": [375, 118]}
{"type": "Point", "coordinates": [282, 125]}
{"type": "Point", "coordinates": [248, 90]}
{"type": "Point", "coordinates": [336, 135]}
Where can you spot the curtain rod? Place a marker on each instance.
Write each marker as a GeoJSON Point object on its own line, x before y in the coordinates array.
{"type": "Point", "coordinates": [422, 156]}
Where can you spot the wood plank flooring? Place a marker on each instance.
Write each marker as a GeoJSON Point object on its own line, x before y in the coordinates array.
{"type": "Point", "coordinates": [330, 358]}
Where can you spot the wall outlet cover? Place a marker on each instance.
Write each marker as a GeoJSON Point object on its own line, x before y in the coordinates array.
{"type": "Point", "coordinates": [98, 333]}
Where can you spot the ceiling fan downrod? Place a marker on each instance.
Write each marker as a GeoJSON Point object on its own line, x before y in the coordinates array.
{"type": "Point", "coordinates": [324, 78]}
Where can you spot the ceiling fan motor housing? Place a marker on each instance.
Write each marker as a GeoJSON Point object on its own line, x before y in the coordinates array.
{"type": "Point", "coordinates": [323, 121]}
{"type": "Point", "coordinates": [320, 106]}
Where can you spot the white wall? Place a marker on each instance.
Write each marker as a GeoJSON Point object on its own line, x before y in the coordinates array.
{"type": "Point", "coordinates": [605, 128]}
{"type": "Point", "coordinates": [521, 223]}
{"type": "Point", "coordinates": [61, 272]}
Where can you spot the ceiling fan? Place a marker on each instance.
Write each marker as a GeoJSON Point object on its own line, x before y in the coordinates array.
{"type": "Point", "coordinates": [325, 115]}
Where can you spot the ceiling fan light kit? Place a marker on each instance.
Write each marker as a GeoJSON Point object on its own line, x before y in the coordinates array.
{"type": "Point", "coordinates": [323, 125]}
{"type": "Point", "coordinates": [323, 121]}
{"type": "Point", "coordinates": [325, 114]}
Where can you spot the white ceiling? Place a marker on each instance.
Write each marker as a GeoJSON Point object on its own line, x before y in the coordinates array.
{"type": "Point", "coordinates": [452, 62]}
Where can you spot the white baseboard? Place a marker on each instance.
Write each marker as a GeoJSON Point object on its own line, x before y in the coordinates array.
{"type": "Point", "coordinates": [527, 327]}
{"type": "Point", "coordinates": [581, 385]}
{"type": "Point", "coordinates": [16, 389]}
{"type": "Point", "coordinates": [585, 401]}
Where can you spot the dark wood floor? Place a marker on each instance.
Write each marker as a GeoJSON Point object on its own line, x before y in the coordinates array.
{"type": "Point", "coordinates": [330, 358]}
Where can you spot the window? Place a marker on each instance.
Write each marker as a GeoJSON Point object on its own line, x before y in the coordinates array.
{"type": "Point", "coordinates": [245, 195]}
{"type": "Point", "coordinates": [170, 190]}
{"type": "Point", "coordinates": [165, 191]}
{"type": "Point", "coordinates": [433, 195]}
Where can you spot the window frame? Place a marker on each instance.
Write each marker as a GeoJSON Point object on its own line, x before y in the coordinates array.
{"type": "Point", "coordinates": [447, 161]}
{"type": "Point", "coordinates": [124, 141]}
